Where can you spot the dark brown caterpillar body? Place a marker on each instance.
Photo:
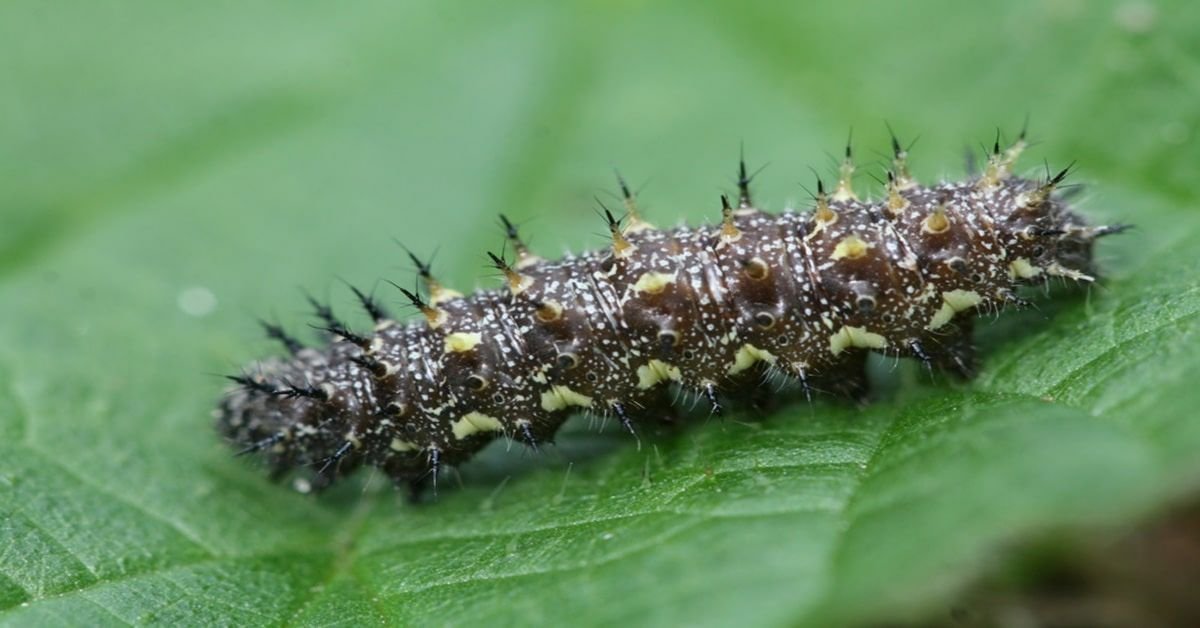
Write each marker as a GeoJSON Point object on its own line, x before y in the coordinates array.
{"type": "Point", "coordinates": [712, 310]}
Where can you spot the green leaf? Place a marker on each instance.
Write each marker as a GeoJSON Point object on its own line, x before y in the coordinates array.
{"type": "Point", "coordinates": [157, 156]}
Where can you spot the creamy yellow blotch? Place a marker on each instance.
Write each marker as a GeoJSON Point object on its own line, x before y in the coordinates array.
{"type": "Point", "coordinates": [473, 423]}
{"type": "Point", "coordinates": [962, 299]}
{"type": "Point", "coordinates": [403, 445]}
{"type": "Point", "coordinates": [654, 283]}
{"type": "Point", "coordinates": [941, 317]}
{"type": "Point", "coordinates": [1020, 268]}
{"type": "Point", "coordinates": [559, 397]}
{"type": "Point", "coordinates": [953, 302]}
{"type": "Point", "coordinates": [847, 337]}
{"type": "Point", "coordinates": [656, 371]}
{"type": "Point", "coordinates": [459, 342]}
{"type": "Point", "coordinates": [747, 355]}
{"type": "Point", "coordinates": [851, 247]}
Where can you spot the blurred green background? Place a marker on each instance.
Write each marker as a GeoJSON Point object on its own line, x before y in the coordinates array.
{"type": "Point", "coordinates": [173, 170]}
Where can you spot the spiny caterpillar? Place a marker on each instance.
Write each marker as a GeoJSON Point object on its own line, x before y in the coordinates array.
{"type": "Point", "coordinates": [716, 311]}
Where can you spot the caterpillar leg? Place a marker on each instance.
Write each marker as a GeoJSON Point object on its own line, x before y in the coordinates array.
{"type": "Point", "coordinates": [415, 489]}
{"type": "Point", "coordinates": [952, 352]}
{"type": "Point", "coordinates": [848, 379]}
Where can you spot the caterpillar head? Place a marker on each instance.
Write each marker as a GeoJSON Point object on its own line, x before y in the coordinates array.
{"type": "Point", "coordinates": [1051, 239]}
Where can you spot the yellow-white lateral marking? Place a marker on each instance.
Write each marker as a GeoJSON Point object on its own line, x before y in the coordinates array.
{"type": "Point", "coordinates": [1020, 268]}
{"type": "Point", "coordinates": [473, 423]}
{"type": "Point", "coordinates": [953, 302]}
{"type": "Point", "coordinates": [403, 445]}
{"type": "Point", "coordinates": [656, 371]}
{"type": "Point", "coordinates": [653, 283]}
{"type": "Point", "coordinates": [851, 247]}
{"type": "Point", "coordinates": [747, 355]}
{"type": "Point", "coordinates": [962, 299]}
{"type": "Point", "coordinates": [458, 342]}
{"type": "Point", "coordinates": [559, 397]}
{"type": "Point", "coordinates": [855, 337]}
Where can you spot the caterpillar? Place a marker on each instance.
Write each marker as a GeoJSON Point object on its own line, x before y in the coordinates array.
{"type": "Point", "coordinates": [798, 298]}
